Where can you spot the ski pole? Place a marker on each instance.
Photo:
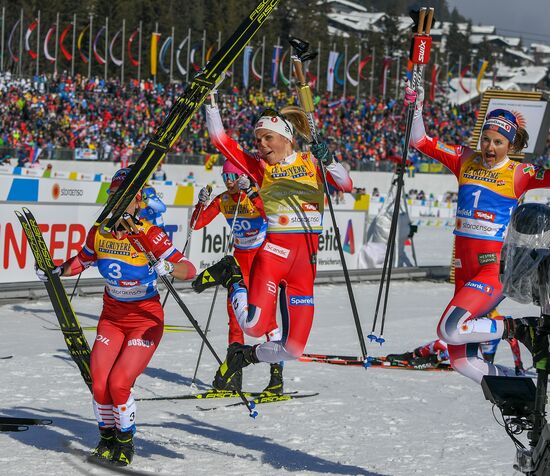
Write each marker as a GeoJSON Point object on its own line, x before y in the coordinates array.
{"type": "Point", "coordinates": [189, 232]}
{"type": "Point", "coordinates": [306, 101]}
{"type": "Point", "coordinates": [75, 286]}
{"type": "Point", "coordinates": [229, 242]}
{"type": "Point", "coordinates": [420, 54]}
{"type": "Point", "coordinates": [138, 241]}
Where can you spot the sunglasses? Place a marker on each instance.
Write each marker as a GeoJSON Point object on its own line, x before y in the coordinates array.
{"type": "Point", "coordinates": [230, 176]}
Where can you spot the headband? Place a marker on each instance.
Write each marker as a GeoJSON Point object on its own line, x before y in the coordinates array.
{"type": "Point", "coordinates": [503, 122]}
{"type": "Point", "coordinates": [275, 124]}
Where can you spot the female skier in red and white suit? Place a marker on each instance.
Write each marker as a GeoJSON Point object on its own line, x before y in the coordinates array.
{"type": "Point", "coordinates": [291, 189]}
{"type": "Point", "coordinates": [490, 185]}
{"type": "Point", "coordinates": [131, 323]}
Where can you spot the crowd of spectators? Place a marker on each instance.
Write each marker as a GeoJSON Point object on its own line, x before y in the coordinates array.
{"type": "Point", "coordinates": [116, 120]}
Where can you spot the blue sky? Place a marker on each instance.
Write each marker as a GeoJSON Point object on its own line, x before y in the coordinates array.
{"type": "Point", "coordinates": [529, 19]}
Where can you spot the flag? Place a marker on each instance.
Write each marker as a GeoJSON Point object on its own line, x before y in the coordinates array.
{"type": "Point", "coordinates": [284, 79]}
{"type": "Point", "coordinates": [352, 80]}
{"type": "Point", "coordinates": [85, 59]}
{"type": "Point", "coordinates": [247, 56]}
{"type": "Point", "coordinates": [482, 67]}
{"type": "Point", "coordinates": [362, 64]}
{"type": "Point", "coordinates": [154, 55]}
{"type": "Point", "coordinates": [49, 34]}
{"type": "Point", "coordinates": [340, 81]}
{"type": "Point", "coordinates": [210, 52]}
{"type": "Point", "coordinates": [33, 54]}
{"type": "Point", "coordinates": [349, 240]}
{"type": "Point", "coordinates": [134, 61]}
{"type": "Point", "coordinates": [194, 49]}
{"type": "Point", "coordinates": [435, 72]}
{"type": "Point", "coordinates": [35, 154]}
{"type": "Point", "coordinates": [115, 60]}
{"type": "Point", "coordinates": [275, 64]}
{"type": "Point", "coordinates": [462, 74]}
{"type": "Point", "coordinates": [255, 73]}
{"type": "Point", "coordinates": [332, 59]}
{"type": "Point", "coordinates": [386, 64]}
{"type": "Point", "coordinates": [449, 77]}
{"type": "Point", "coordinates": [98, 57]}
{"type": "Point", "coordinates": [162, 54]}
{"type": "Point", "coordinates": [311, 79]}
{"type": "Point", "coordinates": [14, 58]}
{"type": "Point", "coordinates": [68, 56]}
{"type": "Point", "coordinates": [181, 69]}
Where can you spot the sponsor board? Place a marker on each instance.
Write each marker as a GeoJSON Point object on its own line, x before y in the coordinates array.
{"type": "Point", "coordinates": [208, 243]}
{"type": "Point", "coordinates": [65, 228]}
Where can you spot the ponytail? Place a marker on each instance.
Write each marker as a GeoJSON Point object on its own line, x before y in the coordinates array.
{"type": "Point", "coordinates": [297, 117]}
{"type": "Point", "coordinates": [520, 141]}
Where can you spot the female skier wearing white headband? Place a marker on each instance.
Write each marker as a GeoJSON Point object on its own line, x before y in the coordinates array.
{"type": "Point", "coordinates": [291, 188]}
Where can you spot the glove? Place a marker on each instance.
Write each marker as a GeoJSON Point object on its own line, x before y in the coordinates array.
{"type": "Point", "coordinates": [41, 274]}
{"type": "Point", "coordinates": [321, 152]}
{"type": "Point", "coordinates": [412, 96]}
{"type": "Point", "coordinates": [204, 195]}
{"type": "Point", "coordinates": [244, 182]}
{"type": "Point", "coordinates": [163, 267]}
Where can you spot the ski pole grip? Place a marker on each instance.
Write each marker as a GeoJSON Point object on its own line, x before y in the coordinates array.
{"type": "Point", "coordinates": [421, 16]}
{"type": "Point", "coordinates": [303, 89]}
{"type": "Point", "coordinates": [298, 70]}
{"type": "Point", "coordinates": [429, 21]}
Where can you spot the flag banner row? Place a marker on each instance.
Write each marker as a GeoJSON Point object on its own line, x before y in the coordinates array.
{"type": "Point", "coordinates": [101, 47]}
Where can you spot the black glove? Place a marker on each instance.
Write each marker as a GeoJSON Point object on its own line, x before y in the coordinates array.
{"type": "Point", "coordinates": [321, 152]}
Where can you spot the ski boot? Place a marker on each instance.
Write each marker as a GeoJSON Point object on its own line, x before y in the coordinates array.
{"type": "Point", "coordinates": [406, 357]}
{"type": "Point", "coordinates": [236, 384]}
{"type": "Point", "coordinates": [104, 449]}
{"type": "Point", "coordinates": [238, 357]}
{"type": "Point", "coordinates": [225, 272]}
{"type": "Point", "coordinates": [275, 385]}
{"type": "Point", "coordinates": [123, 451]}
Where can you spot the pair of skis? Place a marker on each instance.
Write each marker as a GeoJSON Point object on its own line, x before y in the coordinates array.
{"type": "Point", "coordinates": [371, 362]}
{"type": "Point", "coordinates": [257, 397]}
{"type": "Point", "coordinates": [9, 424]}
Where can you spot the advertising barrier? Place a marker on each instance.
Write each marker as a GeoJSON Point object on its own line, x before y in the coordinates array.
{"type": "Point", "coordinates": [66, 209]}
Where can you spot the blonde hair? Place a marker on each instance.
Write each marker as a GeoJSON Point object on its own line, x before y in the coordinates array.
{"type": "Point", "coordinates": [297, 117]}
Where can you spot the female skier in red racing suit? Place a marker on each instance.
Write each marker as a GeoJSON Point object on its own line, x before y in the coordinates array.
{"type": "Point", "coordinates": [490, 185]}
{"type": "Point", "coordinates": [291, 189]}
{"type": "Point", "coordinates": [131, 323]}
{"type": "Point", "coordinates": [249, 225]}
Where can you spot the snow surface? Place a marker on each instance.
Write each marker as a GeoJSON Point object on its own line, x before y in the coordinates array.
{"type": "Point", "coordinates": [364, 422]}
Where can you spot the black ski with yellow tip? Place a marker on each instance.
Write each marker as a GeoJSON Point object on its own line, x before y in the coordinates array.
{"type": "Point", "coordinates": [181, 113]}
{"type": "Point", "coordinates": [70, 327]}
